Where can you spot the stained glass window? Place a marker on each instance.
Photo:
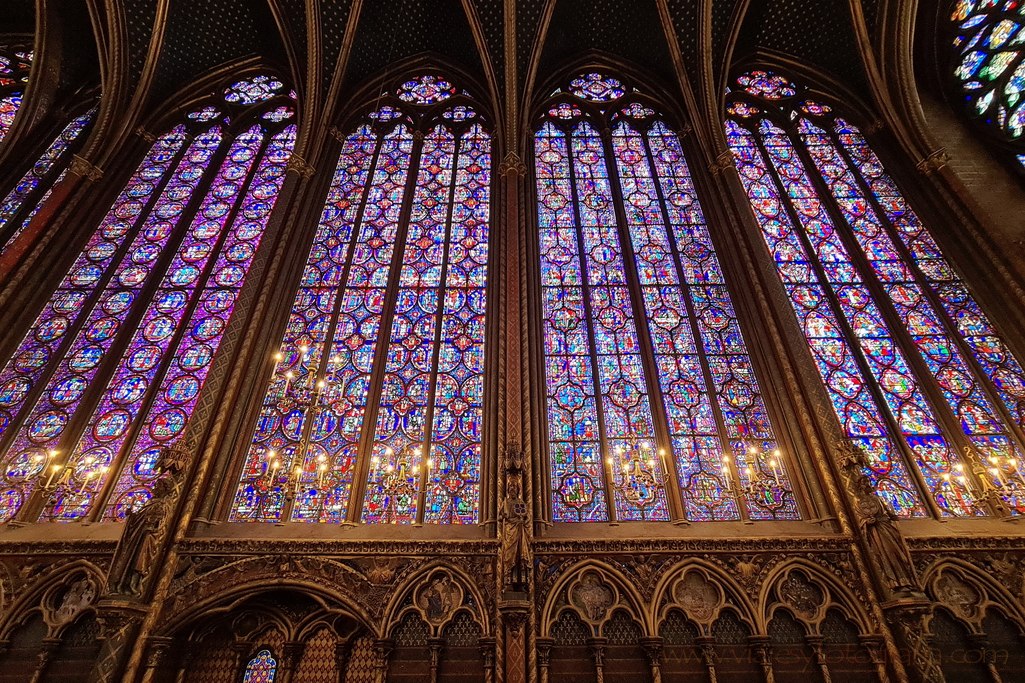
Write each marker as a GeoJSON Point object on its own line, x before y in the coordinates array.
{"type": "Point", "coordinates": [373, 411]}
{"type": "Point", "coordinates": [109, 372]}
{"type": "Point", "coordinates": [15, 64]}
{"type": "Point", "coordinates": [917, 375]}
{"type": "Point", "coordinates": [261, 668]}
{"type": "Point", "coordinates": [647, 372]}
{"type": "Point", "coordinates": [989, 64]}
{"type": "Point", "coordinates": [26, 198]}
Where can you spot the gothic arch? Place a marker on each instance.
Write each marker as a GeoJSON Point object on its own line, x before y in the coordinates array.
{"type": "Point", "coordinates": [437, 592]}
{"type": "Point", "coordinates": [222, 591]}
{"type": "Point", "coordinates": [792, 585]}
{"type": "Point", "coordinates": [61, 596]}
{"type": "Point", "coordinates": [969, 592]}
{"type": "Point", "coordinates": [701, 591]}
{"type": "Point", "coordinates": [595, 591]}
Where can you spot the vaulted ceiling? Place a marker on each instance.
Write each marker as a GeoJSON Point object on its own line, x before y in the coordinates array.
{"type": "Point", "coordinates": [155, 49]}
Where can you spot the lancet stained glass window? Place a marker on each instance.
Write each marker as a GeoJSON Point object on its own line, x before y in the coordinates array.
{"type": "Point", "coordinates": [109, 372]}
{"type": "Point", "coordinates": [262, 668]}
{"type": "Point", "coordinates": [25, 199]}
{"type": "Point", "coordinates": [15, 64]}
{"type": "Point", "coordinates": [373, 412]}
{"type": "Point", "coordinates": [917, 374]}
{"type": "Point", "coordinates": [646, 368]}
{"type": "Point", "coordinates": [989, 64]}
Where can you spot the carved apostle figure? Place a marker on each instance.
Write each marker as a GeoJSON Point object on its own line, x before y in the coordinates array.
{"type": "Point", "coordinates": [145, 529]}
{"type": "Point", "coordinates": [516, 520]}
{"type": "Point", "coordinates": [878, 524]}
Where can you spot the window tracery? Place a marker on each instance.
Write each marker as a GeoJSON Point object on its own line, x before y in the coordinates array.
{"type": "Point", "coordinates": [15, 64]}
{"type": "Point", "coordinates": [646, 368]}
{"type": "Point", "coordinates": [917, 375]}
{"type": "Point", "coordinates": [988, 65]}
{"type": "Point", "coordinates": [374, 409]}
{"type": "Point", "coordinates": [110, 371]}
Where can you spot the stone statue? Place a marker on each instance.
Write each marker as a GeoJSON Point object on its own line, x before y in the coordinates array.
{"type": "Point", "coordinates": [516, 525]}
{"type": "Point", "coordinates": [877, 522]}
{"type": "Point", "coordinates": [146, 528]}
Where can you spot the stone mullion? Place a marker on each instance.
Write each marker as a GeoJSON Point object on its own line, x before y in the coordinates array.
{"type": "Point", "coordinates": [343, 650]}
{"type": "Point", "coordinates": [706, 644]}
{"type": "Point", "coordinates": [291, 656]}
{"type": "Point", "coordinates": [761, 649]}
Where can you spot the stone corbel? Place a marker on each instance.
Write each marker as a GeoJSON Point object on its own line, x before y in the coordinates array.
{"type": "Point", "coordinates": [299, 165]}
{"type": "Point", "coordinates": [933, 162]}
{"type": "Point", "coordinates": [149, 137]}
{"type": "Point", "coordinates": [512, 164]}
{"type": "Point", "coordinates": [723, 162]}
{"type": "Point", "coordinates": [85, 169]}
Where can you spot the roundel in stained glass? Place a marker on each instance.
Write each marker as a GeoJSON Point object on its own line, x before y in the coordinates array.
{"type": "Point", "coordinates": [253, 90]}
{"type": "Point", "coordinates": [111, 424]}
{"type": "Point", "coordinates": [167, 424]}
{"type": "Point", "coordinates": [426, 89]}
{"type": "Point", "coordinates": [767, 85]}
{"type": "Point", "coordinates": [145, 358]}
{"type": "Point", "coordinates": [596, 87]}
{"type": "Point", "coordinates": [47, 425]}
{"type": "Point", "coordinates": [68, 390]}
{"type": "Point", "coordinates": [129, 390]}
{"type": "Point", "coordinates": [182, 390]}
{"type": "Point", "coordinates": [195, 357]}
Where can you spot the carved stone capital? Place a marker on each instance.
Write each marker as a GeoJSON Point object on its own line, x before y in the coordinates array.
{"type": "Point", "coordinates": [149, 137]}
{"type": "Point", "coordinates": [598, 646]}
{"type": "Point", "coordinates": [544, 651]}
{"type": "Point", "coordinates": [512, 164]}
{"type": "Point", "coordinates": [299, 165]}
{"type": "Point", "coordinates": [653, 649]}
{"type": "Point", "coordinates": [933, 162]}
{"type": "Point", "coordinates": [157, 648]}
{"type": "Point", "coordinates": [723, 162]}
{"type": "Point", "coordinates": [515, 611]}
{"type": "Point", "coordinates": [85, 169]}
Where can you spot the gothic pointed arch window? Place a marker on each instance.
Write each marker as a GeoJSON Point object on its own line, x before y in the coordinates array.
{"type": "Point", "coordinates": [988, 64]}
{"type": "Point", "coordinates": [917, 374]}
{"type": "Point", "coordinates": [15, 64]}
{"type": "Point", "coordinates": [262, 668]}
{"type": "Point", "coordinates": [649, 381]}
{"type": "Point", "coordinates": [109, 372]}
{"type": "Point", "coordinates": [23, 201]}
{"type": "Point", "coordinates": [374, 408]}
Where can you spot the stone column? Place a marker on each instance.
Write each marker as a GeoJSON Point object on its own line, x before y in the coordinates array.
{"type": "Point", "coordinates": [706, 645]}
{"type": "Point", "coordinates": [50, 646]}
{"type": "Point", "coordinates": [763, 655]}
{"type": "Point", "coordinates": [515, 611]}
{"type": "Point", "coordinates": [598, 647]}
{"type": "Point", "coordinates": [653, 649]}
{"type": "Point", "coordinates": [908, 619]}
{"type": "Point", "coordinates": [487, 653]}
{"type": "Point", "coordinates": [342, 650]}
{"type": "Point", "coordinates": [157, 649]}
{"type": "Point", "coordinates": [544, 653]}
{"type": "Point", "coordinates": [819, 654]}
{"type": "Point", "coordinates": [119, 626]}
{"type": "Point", "coordinates": [291, 656]}
{"type": "Point", "coordinates": [434, 647]}
{"type": "Point", "coordinates": [382, 650]}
